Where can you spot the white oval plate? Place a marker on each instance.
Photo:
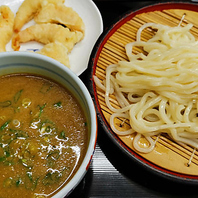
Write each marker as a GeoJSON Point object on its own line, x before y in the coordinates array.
{"type": "Point", "coordinates": [79, 56]}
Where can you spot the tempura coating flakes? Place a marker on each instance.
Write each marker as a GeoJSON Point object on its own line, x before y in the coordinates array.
{"type": "Point", "coordinates": [57, 26]}
{"type": "Point", "coordinates": [6, 26]}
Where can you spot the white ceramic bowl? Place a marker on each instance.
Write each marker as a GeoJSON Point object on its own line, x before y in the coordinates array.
{"type": "Point", "coordinates": [27, 62]}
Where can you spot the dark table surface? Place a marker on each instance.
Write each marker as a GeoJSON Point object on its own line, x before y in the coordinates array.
{"type": "Point", "coordinates": [112, 174]}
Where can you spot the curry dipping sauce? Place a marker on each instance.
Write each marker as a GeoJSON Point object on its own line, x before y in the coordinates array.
{"type": "Point", "coordinates": [43, 136]}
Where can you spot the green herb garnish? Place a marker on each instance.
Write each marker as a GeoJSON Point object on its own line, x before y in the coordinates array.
{"type": "Point", "coordinates": [6, 103]}
{"type": "Point", "coordinates": [4, 125]}
{"type": "Point", "coordinates": [58, 105]}
{"type": "Point", "coordinates": [17, 95]}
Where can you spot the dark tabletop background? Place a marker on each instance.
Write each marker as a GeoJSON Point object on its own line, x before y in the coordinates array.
{"type": "Point", "coordinates": [112, 174]}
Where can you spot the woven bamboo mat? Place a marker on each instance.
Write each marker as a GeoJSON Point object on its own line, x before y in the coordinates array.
{"type": "Point", "coordinates": [167, 154]}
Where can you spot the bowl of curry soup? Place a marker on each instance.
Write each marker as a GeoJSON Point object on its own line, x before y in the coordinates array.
{"type": "Point", "coordinates": [48, 127]}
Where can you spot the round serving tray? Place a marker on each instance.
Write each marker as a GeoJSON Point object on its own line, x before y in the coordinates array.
{"type": "Point", "coordinates": [168, 159]}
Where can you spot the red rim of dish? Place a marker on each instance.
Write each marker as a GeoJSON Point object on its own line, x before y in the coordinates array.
{"type": "Point", "coordinates": [190, 179]}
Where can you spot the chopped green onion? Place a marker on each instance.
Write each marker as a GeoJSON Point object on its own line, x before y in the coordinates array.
{"type": "Point", "coordinates": [4, 125]}
{"type": "Point", "coordinates": [29, 175]}
{"type": "Point", "coordinates": [48, 129]}
{"type": "Point", "coordinates": [6, 103]}
{"type": "Point", "coordinates": [29, 182]}
{"type": "Point", "coordinates": [2, 159]}
{"type": "Point", "coordinates": [8, 163]}
{"type": "Point", "coordinates": [19, 133]}
{"type": "Point", "coordinates": [41, 109]}
{"type": "Point", "coordinates": [7, 153]}
{"type": "Point", "coordinates": [18, 182]}
{"type": "Point", "coordinates": [17, 95]}
{"type": "Point", "coordinates": [46, 87]}
{"type": "Point", "coordinates": [51, 178]}
{"type": "Point", "coordinates": [62, 135]}
{"type": "Point", "coordinates": [58, 105]}
{"type": "Point", "coordinates": [52, 157]}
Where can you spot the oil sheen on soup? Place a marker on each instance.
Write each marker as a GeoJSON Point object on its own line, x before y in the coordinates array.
{"type": "Point", "coordinates": [43, 136]}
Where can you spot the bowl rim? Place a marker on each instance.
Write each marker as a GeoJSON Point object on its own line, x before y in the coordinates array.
{"type": "Point", "coordinates": [65, 190]}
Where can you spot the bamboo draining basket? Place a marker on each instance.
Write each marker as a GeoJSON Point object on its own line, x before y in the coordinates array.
{"type": "Point", "coordinates": [168, 157]}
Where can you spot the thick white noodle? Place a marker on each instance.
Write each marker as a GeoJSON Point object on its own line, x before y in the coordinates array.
{"type": "Point", "coordinates": [120, 115]}
{"type": "Point", "coordinates": [158, 90]}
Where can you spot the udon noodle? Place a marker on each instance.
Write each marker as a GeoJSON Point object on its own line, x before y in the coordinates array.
{"type": "Point", "coordinates": [157, 88]}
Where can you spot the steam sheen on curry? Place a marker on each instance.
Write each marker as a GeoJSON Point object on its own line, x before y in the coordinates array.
{"type": "Point", "coordinates": [43, 136]}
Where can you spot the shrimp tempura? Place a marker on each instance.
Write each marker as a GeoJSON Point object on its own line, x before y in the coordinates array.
{"type": "Point", "coordinates": [27, 11]}
{"type": "Point", "coordinates": [60, 14]}
{"type": "Point", "coordinates": [6, 26]}
{"type": "Point", "coordinates": [47, 33]}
